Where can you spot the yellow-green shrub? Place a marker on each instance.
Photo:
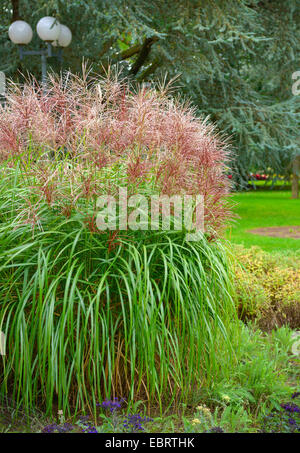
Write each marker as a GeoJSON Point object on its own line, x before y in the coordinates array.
{"type": "Point", "coordinates": [267, 287]}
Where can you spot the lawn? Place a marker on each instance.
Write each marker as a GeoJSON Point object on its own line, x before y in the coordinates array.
{"type": "Point", "coordinates": [264, 209]}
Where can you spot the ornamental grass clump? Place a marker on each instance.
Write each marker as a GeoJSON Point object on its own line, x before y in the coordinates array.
{"type": "Point", "coordinates": [92, 314]}
{"type": "Point", "coordinates": [87, 137]}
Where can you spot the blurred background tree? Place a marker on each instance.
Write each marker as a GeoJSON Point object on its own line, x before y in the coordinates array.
{"type": "Point", "coordinates": [235, 59]}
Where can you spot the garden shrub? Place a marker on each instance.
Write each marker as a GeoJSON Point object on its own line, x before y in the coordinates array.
{"type": "Point", "coordinates": [268, 287]}
{"type": "Point", "coordinates": [92, 314]}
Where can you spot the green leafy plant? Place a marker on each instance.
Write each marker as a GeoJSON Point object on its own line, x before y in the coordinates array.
{"type": "Point", "coordinates": [228, 419]}
{"type": "Point", "coordinates": [267, 287]}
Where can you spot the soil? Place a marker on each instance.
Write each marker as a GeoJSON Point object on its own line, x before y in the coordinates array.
{"type": "Point", "coordinates": [278, 232]}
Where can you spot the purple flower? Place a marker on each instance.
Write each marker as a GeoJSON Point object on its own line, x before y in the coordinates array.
{"type": "Point", "coordinates": [295, 395]}
{"type": "Point", "coordinates": [291, 407]}
{"type": "Point", "coordinates": [50, 428]}
{"type": "Point", "coordinates": [92, 430]}
{"type": "Point", "coordinates": [83, 418]}
{"type": "Point", "coordinates": [216, 429]}
{"type": "Point", "coordinates": [64, 428]}
{"type": "Point", "coordinates": [133, 423]}
{"type": "Point", "coordinates": [89, 428]}
{"type": "Point", "coordinates": [112, 405]}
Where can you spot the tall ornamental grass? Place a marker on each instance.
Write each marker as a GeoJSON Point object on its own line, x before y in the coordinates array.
{"type": "Point", "coordinates": [92, 314]}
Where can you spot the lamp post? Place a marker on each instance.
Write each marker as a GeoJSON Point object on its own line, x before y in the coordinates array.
{"type": "Point", "coordinates": [49, 30]}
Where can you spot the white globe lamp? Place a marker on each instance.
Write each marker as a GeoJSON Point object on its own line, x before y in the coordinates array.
{"type": "Point", "coordinates": [64, 38]}
{"type": "Point", "coordinates": [48, 29]}
{"type": "Point", "coordinates": [20, 32]}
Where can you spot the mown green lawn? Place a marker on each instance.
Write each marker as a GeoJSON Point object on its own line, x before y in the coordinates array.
{"type": "Point", "coordinates": [264, 209]}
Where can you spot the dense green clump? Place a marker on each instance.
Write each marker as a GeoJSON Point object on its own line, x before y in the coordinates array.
{"type": "Point", "coordinates": [87, 317]}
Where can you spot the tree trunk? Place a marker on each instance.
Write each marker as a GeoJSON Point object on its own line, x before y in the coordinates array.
{"type": "Point", "coordinates": [295, 177]}
{"type": "Point", "coordinates": [15, 10]}
{"type": "Point", "coordinates": [145, 50]}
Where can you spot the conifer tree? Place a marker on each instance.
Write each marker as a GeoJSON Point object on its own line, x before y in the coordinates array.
{"type": "Point", "coordinates": [235, 59]}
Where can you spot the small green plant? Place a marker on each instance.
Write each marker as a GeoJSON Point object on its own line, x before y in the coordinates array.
{"type": "Point", "coordinates": [267, 287]}
{"type": "Point", "coordinates": [285, 419]}
{"type": "Point", "coordinates": [222, 419]}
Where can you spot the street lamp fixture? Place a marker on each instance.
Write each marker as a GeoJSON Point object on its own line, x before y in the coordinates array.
{"type": "Point", "coordinates": [49, 30]}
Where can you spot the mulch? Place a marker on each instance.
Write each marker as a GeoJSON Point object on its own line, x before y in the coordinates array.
{"type": "Point", "coordinates": [278, 232]}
